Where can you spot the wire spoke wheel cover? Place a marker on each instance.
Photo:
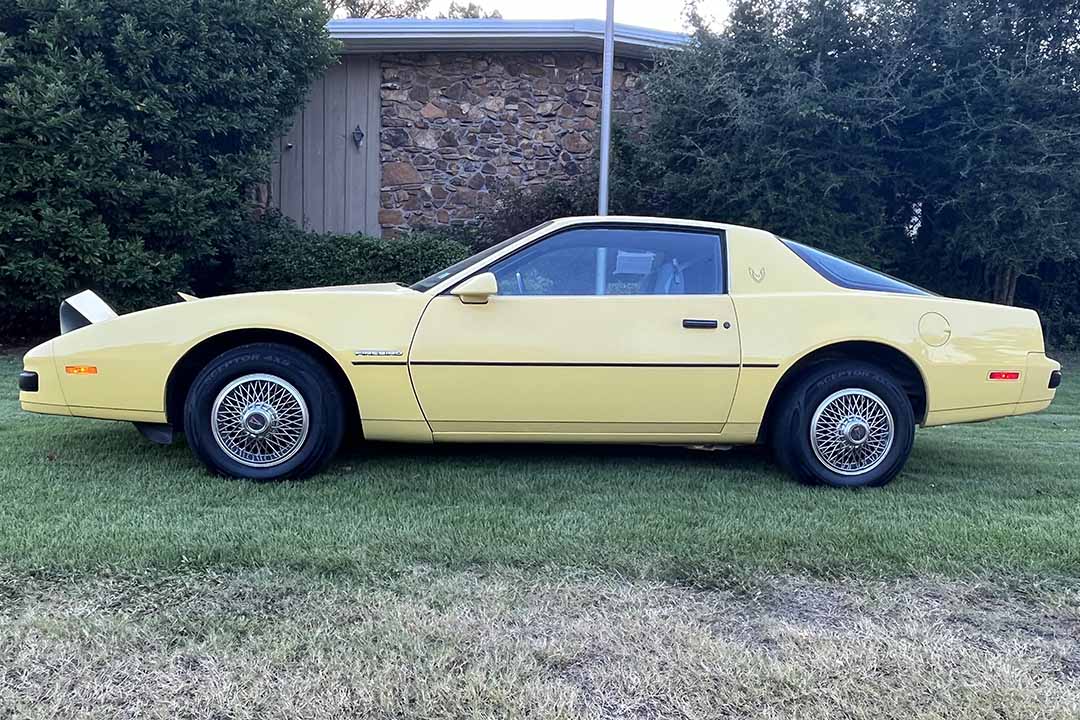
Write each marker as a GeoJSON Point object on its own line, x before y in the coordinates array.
{"type": "Point", "coordinates": [852, 431]}
{"type": "Point", "coordinates": [260, 420]}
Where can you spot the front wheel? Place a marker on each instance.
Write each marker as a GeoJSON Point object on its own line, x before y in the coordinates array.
{"type": "Point", "coordinates": [264, 412]}
{"type": "Point", "coordinates": [847, 424]}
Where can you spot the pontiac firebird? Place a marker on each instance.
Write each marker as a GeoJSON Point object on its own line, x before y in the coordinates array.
{"type": "Point", "coordinates": [601, 330]}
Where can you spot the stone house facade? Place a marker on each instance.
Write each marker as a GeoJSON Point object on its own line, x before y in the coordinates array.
{"type": "Point", "coordinates": [457, 126]}
{"type": "Point", "coordinates": [422, 121]}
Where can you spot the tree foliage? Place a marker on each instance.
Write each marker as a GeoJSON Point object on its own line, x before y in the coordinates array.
{"type": "Point", "coordinates": [774, 123]}
{"type": "Point", "coordinates": [377, 8]}
{"type": "Point", "coordinates": [935, 138]}
{"type": "Point", "coordinates": [406, 9]}
{"type": "Point", "coordinates": [131, 133]}
{"type": "Point", "coordinates": [991, 158]}
{"type": "Point", "coordinates": [459, 11]}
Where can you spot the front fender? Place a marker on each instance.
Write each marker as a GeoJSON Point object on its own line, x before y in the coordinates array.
{"type": "Point", "coordinates": [135, 354]}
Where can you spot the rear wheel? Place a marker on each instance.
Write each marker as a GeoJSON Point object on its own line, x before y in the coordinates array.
{"type": "Point", "coordinates": [846, 424]}
{"type": "Point", "coordinates": [264, 412]}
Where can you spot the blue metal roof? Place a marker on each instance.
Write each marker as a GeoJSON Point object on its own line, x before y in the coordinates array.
{"type": "Point", "coordinates": [364, 35]}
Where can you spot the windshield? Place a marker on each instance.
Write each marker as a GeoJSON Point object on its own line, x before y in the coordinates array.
{"type": "Point", "coordinates": [849, 274]}
{"type": "Point", "coordinates": [433, 280]}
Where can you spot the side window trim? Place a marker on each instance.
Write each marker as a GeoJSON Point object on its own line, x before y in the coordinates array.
{"type": "Point", "coordinates": [719, 233]}
{"type": "Point", "coordinates": [882, 282]}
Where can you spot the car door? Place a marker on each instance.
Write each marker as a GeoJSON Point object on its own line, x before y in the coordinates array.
{"type": "Point", "coordinates": [608, 332]}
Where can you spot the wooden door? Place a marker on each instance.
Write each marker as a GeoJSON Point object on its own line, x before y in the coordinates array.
{"type": "Point", "coordinates": [326, 171]}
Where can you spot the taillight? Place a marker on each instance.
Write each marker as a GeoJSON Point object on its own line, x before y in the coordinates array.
{"type": "Point", "coordinates": [1004, 375]}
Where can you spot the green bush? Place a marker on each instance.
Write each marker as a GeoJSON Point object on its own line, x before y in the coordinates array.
{"type": "Point", "coordinates": [1055, 291]}
{"type": "Point", "coordinates": [934, 140]}
{"type": "Point", "coordinates": [520, 208]}
{"type": "Point", "coordinates": [516, 208]}
{"type": "Point", "coordinates": [277, 255]}
{"type": "Point", "coordinates": [132, 132]}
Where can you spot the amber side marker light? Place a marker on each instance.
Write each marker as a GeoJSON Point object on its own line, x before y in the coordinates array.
{"type": "Point", "coordinates": [81, 370]}
{"type": "Point", "coordinates": [1004, 375]}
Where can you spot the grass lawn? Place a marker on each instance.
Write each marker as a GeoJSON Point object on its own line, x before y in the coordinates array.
{"type": "Point", "coordinates": [994, 498]}
{"type": "Point", "coordinates": [547, 582]}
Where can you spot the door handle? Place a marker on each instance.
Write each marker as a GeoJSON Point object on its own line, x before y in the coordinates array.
{"type": "Point", "coordinates": [694, 324]}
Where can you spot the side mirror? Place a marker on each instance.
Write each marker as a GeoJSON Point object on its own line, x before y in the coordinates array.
{"type": "Point", "coordinates": [477, 289]}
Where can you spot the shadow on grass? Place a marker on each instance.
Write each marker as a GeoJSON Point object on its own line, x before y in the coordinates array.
{"type": "Point", "coordinates": [121, 450]}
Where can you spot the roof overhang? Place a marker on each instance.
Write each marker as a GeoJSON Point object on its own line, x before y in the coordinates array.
{"type": "Point", "coordinates": [364, 35]}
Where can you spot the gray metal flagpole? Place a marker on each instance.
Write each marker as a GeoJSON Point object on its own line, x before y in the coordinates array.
{"type": "Point", "coordinates": [605, 107]}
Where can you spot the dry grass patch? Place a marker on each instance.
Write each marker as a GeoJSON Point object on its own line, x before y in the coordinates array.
{"type": "Point", "coordinates": [448, 644]}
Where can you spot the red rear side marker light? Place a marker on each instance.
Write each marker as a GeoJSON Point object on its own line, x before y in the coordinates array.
{"type": "Point", "coordinates": [1004, 375]}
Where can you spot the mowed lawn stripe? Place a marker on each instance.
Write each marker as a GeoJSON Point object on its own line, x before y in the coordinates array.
{"type": "Point", "coordinates": [1002, 497]}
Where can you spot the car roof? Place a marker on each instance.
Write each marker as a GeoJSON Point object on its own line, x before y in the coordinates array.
{"type": "Point", "coordinates": [644, 220]}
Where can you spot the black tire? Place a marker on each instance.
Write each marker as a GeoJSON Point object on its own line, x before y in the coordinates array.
{"type": "Point", "coordinates": [791, 425]}
{"type": "Point", "coordinates": [324, 403]}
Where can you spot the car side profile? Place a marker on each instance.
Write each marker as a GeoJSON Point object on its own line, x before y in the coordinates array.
{"type": "Point", "coordinates": [596, 329]}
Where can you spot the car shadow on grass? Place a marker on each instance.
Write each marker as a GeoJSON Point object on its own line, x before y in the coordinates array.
{"type": "Point", "coordinates": [518, 459]}
{"type": "Point", "coordinates": [113, 449]}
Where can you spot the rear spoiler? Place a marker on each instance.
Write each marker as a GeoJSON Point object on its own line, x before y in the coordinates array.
{"type": "Point", "coordinates": [83, 309]}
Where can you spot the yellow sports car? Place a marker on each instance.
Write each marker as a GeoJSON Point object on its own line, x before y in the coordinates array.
{"type": "Point", "coordinates": [605, 330]}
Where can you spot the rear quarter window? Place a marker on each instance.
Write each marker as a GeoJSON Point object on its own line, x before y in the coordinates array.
{"type": "Point", "coordinates": [849, 274]}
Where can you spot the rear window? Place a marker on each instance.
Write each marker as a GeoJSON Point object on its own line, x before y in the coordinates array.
{"type": "Point", "coordinates": [850, 275]}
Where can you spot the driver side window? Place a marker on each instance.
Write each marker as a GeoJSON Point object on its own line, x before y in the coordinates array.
{"type": "Point", "coordinates": [615, 261]}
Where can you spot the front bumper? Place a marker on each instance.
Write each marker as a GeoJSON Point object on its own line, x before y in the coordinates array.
{"type": "Point", "coordinates": [39, 383]}
{"type": "Point", "coordinates": [28, 382]}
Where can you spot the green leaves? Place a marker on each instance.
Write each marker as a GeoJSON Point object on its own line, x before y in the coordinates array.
{"type": "Point", "coordinates": [938, 139]}
{"type": "Point", "coordinates": [130, 134]}
{"type": "Point", "coordinates": [277, 255]}
{"type": "Point", "coordinates": [769, 123]}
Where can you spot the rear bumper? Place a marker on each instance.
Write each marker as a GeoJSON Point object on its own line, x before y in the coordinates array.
{"type": "Point", "coordinates": [1026, 408]}
{"type": "Point", "coordinates": [1041, 379]}
{"type": "Point", "coordinates": [956, 416]}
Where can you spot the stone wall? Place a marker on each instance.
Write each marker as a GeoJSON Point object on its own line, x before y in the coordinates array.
{"type": "Point", "coordinates": [457, 126]}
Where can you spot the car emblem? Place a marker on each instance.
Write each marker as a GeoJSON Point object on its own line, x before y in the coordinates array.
{"type": "Point", "coordinates": [378, 353]}
{"type": "Point", "coordinates": [757, 275]}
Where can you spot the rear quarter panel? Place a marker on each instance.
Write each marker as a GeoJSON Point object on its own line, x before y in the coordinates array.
{"type": "Point", "coordinates": [786, 311]}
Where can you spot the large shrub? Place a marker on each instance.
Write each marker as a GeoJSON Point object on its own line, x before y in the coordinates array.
{"type": "Point", "coordinates": [517, 208]}
{"type": "Point", "coordinates": [774, 122]}
{"type": "Point", "coordinates": [277, 255]}
{"type": "Point", "coordinates": [131, 134]}
{"type": "Point", "coordinates": [936, 139]}
{"type": "Point", "coordinates": [1055, 290]}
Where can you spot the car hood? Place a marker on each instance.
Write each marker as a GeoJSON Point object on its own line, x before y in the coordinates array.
{"type": "Point", "coordinates": [359, 289]}
{"type": "Point", "coordinates": [395, 288]}
{"type": "Point", "coordinates": [88, 309]}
